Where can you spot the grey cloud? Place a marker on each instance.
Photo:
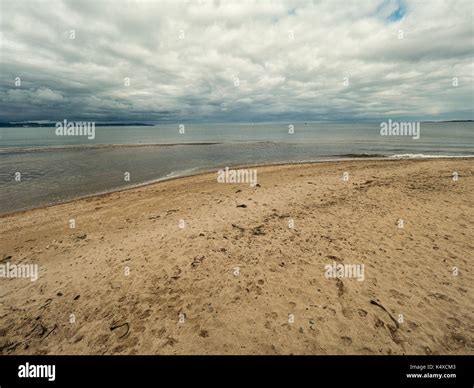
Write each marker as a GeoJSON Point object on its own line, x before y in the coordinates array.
{"type": "Point", "coordinates": [182, 59]}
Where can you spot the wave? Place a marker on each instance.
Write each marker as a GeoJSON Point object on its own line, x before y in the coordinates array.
{"type": "Point", "coordinates": [427, 156]}
{"type": "Point", "coordinates": [362, 155]}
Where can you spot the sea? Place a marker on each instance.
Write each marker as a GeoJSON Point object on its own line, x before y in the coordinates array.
{"type": "Point", "coordinates": [38, 168]}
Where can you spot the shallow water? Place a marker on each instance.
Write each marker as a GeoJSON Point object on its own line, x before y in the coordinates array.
{"type": "Point", "coordinates": [57, 168]}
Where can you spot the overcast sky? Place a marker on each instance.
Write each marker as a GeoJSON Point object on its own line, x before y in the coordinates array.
{"type": "Point", "coordinates": [236, 61]}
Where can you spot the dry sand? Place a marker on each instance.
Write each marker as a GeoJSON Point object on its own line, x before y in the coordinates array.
{"type": "Point", "coordinates": [278, 301]}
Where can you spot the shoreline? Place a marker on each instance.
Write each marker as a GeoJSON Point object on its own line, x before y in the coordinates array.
{"type": "Point", "coordinates": [209, 171]}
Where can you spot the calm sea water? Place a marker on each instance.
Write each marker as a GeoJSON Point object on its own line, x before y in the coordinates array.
{"type": "Point", "coordinates": [57, 168]}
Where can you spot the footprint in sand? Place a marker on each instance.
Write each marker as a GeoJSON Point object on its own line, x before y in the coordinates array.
{"type": "Point", "coordinates": [340, 287]}
{"type": "Point", "coordinates": [346, 341]}
{"type": "Point", "coordinates": [273, 315]}
{"type": "Point", "coordinates": [378, 323]}
{"type": "Point", "coordinates": [203, 333]}
{"type": "Point", "coordinates": [347, 312]}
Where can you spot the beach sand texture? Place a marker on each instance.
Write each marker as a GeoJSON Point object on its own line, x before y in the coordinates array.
{"type": "Point", "coordinates": [239, 280]}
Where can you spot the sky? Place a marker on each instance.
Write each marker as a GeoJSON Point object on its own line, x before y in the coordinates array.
{"type": "Point", "coordinates": [236, 61]}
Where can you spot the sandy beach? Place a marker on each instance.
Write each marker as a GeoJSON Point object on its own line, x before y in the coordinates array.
{"type": "Point", "coordinates": [193, 266]}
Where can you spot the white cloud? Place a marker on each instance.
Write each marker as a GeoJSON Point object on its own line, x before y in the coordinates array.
{"type": "Point", "coordinates": [182, 59]}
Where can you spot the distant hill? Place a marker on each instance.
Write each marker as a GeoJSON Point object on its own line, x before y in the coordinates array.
{"type": "Point", "coordinates": [33, 125]}
{"type": "Point", "coordinates": [450, 121]}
